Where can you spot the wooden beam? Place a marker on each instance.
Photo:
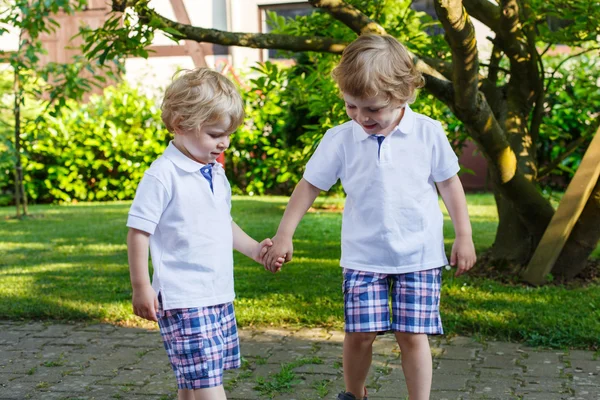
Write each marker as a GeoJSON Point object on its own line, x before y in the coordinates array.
{"type": "Point", "coordinates": [167, 51]}
{"type": "Point", "coordinates": [194, 48]}
{"type": "Point", "coordinates": [565, 217]}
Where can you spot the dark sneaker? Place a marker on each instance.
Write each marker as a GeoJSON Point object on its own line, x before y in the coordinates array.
{"type": "Point", "coordinates": [350, 396]}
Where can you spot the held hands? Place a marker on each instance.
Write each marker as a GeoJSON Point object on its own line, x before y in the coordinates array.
{"type": "Point", "coordinates": [262, 250]}
{"type": "Point", "coordinates": [281, 250]}
{"type": "Point", "coordinates": [463, 254]}
{"type": "Point", "coordinates": [145, 302]}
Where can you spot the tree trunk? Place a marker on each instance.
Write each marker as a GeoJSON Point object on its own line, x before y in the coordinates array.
{"type": "Point", "coordinates": [17, 194]}
{"type": "Point", "coordinates": [514, 243]}
{"type": "Point", "coordinates": [583, 239]}
{"type": "Point", "coordinates": [20, 196]}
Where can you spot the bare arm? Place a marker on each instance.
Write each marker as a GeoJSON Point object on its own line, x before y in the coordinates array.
{"type": "Point", "coordinates": [250, 247]}
{"type": "Point", "coordinates": [144, 300]}
{"type": "Point", "coordinates": [463, 250]}
{"type": "Point", "coordinates": [303, 197]}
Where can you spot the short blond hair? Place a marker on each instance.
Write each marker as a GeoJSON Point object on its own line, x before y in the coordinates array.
{"type": "Point", "coordinates": [378, 64]}
{"type": "Point", "coordinates": [198, 97]}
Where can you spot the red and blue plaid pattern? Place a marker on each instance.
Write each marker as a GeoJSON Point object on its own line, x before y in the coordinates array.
{"type": "Point", "coordinates": [415, 299]}
{"type": "Point", "coordinates": [201, 343]}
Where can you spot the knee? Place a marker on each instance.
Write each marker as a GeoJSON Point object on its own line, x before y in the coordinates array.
{"type": "Point", "coordinates": [360, 339]}
{"type": "Point", "coordinates": [408, 340]}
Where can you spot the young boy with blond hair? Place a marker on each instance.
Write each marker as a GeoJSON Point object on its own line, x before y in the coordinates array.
{"type": "Point", "coordinates": [182, 213]}
{"type": "Point", "coordinates": [390, 160]}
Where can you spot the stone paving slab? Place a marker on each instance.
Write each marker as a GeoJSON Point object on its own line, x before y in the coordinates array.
{"type": "Point", "coordinates": [98, 362]}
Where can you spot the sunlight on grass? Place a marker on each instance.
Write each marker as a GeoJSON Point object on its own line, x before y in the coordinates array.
{"type": "Point", "coordinates": [5, 246]}
{"type": "Point", "coordinates": [70, 263]}
{"type": "Point", "coordinates": [489, 317]}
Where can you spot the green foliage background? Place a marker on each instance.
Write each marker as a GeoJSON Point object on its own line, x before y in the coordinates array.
{"type": "Point", "coordinates": [98, 150]}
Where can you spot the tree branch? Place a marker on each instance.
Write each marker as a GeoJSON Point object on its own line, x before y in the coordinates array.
{"type": "Point", "coordinates": [349, 15]}
{"type": "Point", "coordinates": [512, 40]}
{"type": "Point", "coordinates": [494, 65]}
{"type": "Point", "coordinates": [254, 40]}
{"type": "Point", "coordinates": [518, 43]}
{"type": "Point", "coordinates": [465, 60]}
{"type": "Point", "coordinates": [517, 40]}
{"type": "Point", "coordinates": [441, 88]}
{"type": "Point", "coordinates": [121, 5]}
{"type": "Point", "coordinates": [280, 42]}
{"type": "Point", "coordinates": [536, 73]}
{"type": "Point", "coordinates": [552, 77]}
{"type": "Point", "coordinates": [443, 67]}
{"type": "Point", "coordinates": [485, 11]}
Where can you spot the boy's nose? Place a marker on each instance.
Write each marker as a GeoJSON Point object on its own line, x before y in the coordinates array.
{"type": "Point", "coordinates": [224, 144]}
{"type": "Point", "coordinates": [363, 118]}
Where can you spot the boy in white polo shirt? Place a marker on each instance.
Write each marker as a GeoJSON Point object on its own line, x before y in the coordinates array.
{"type": "Point", "coordinates": [389, 160]}
{"type": "Point", "coordinates": [181, 211]}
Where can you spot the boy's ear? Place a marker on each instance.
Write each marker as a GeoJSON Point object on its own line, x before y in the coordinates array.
{"type": "Point", "coordinates": [177, 127]}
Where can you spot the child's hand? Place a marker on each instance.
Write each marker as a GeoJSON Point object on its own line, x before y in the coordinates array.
{"type": "Point", "coordinates": [145, 303]}
{"type": "Point", "coordinates": [262, 250]}
{"type": "Point", "coordinates": [276, 265]}
{"type": "Point", "coordinates": [282, 247]}
{"type": "Point", "coordinates": [463, 254]}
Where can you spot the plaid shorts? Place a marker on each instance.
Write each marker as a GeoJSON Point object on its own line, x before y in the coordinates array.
{"type": "Point", "coordinates": [415, 300]}
{"type": "Point", "coordinates": [201, 343]}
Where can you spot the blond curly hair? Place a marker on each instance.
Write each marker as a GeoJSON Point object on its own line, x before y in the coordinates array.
{"type": "Point", "coordinates": [200, 97]}
{"type": "Point", "coordinates": [378, 64]}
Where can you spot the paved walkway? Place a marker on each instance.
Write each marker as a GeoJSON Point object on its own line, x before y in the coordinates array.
{"type": "Point", "coordinates": [54, 361]}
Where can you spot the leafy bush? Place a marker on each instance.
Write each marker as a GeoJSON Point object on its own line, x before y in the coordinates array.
{"type": "Point", "coordinates": [95, 151]}
{"type": "Point", "coordinates": [571, 111]}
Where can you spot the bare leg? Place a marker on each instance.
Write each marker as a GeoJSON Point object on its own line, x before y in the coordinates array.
{"type": "Point", "coordinates": [214, 393]}
{"type": "Point", "coordinates": [185, 394]}
{"type": "Point", "coordinates": [416, 364]}
{"type": "Point", "coordinates": [358, 348]}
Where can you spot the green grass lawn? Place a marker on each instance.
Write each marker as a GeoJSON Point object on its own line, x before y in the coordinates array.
{"type": "Point", "coordinates": [70, 263]}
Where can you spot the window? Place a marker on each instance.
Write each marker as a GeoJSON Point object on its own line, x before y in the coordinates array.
{"type": "Point", "coordinates": [427, 7]}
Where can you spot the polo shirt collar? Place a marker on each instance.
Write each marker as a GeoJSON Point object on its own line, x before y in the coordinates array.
{"type": "Point", "coordinates": [183, 162]}
{"type": "Point", "coordinates": [407, 123]}
{"type": "Point", "coordinates": [405, 126]}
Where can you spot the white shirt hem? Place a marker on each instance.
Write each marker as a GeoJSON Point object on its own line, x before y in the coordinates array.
{"type": "Point", "coordinates": [404, 269]}
{"type": "Point", "coordinates": [195, 303]}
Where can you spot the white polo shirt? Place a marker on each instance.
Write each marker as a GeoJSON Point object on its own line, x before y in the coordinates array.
{"type": "Point", "coordinates": [392, 221]}
{"type": "Point", "coordinates": [191, 240]}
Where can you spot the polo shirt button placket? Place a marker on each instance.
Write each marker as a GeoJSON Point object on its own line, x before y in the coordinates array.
{"type": "Point", "coordinates": [206, 172]}
{"type": "Point", "coordinates": [381, 154]}
{"type": "Point", "coordinates": [385, 152]}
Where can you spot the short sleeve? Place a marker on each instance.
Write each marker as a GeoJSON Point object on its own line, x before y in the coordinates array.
{"type": "Point", "coordinates": [444, 163]}
{"type": "Point", "coordinates": [151, 199]}
{"type": "Point", "coordinates": [324, 167]}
